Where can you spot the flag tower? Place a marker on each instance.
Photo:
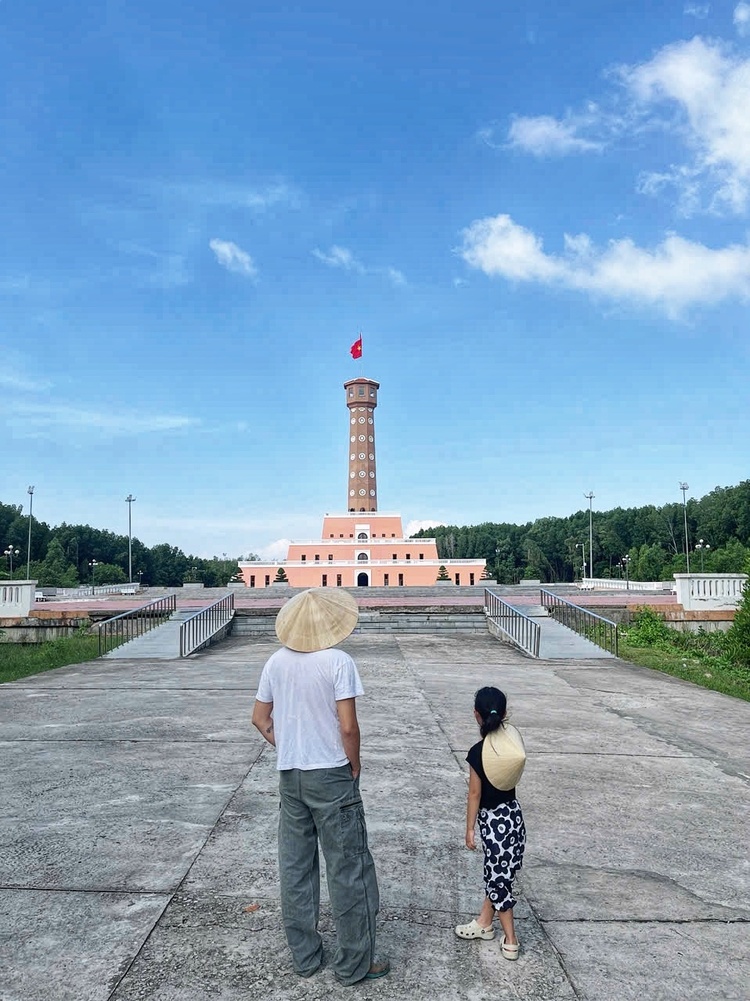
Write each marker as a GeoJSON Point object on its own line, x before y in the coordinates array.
{"type": "Point", "coordinates": [361, 400]}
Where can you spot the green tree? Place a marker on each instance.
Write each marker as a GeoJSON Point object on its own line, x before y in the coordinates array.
{"type": "Point", "coordinates": [738, 636]}
{"type": "Point", "coordinates": [55, 570]}
{"type": "Point", "coordinates": [443, 573]}
{"type": "Point", "coordinates": [110, 573]}
{"type": "Point", "coordinates": [281, 577]}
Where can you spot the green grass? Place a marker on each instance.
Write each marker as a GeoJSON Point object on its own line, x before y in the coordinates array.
{"type": "Point", "coordinates": [708, 672]}
{"type": "Point", "coordinates": [19, 660]}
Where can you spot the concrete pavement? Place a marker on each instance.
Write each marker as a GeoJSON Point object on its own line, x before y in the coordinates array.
{"type": "Point", "coordinates": [138, 815]}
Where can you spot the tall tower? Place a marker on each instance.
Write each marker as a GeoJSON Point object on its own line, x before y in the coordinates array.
{"type": "Point", "coordinates": [361, 399]}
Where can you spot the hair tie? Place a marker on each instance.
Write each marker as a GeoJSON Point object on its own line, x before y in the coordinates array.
{"type": "Point", "coordinates": [493, 711]}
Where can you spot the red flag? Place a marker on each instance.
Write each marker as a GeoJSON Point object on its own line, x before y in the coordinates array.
{"type": "Point", "coordinates": [356, 349]}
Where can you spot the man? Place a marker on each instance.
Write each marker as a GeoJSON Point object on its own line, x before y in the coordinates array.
{"type": "Point", "coordinates": [306, 708]}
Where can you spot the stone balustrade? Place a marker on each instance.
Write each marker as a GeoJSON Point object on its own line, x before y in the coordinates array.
{"type": "Point", "coordinates": [16, 598]}
{"type": "Point", "coordinates": [709, 590]}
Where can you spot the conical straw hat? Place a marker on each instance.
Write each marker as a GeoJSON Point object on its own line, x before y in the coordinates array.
{"type": "Point", "coordinates": [503, 757]}
{"type": "Point", "coordinates": [316, 619]}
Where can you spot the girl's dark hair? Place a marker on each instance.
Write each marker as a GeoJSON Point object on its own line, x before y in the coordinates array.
{"type": "Point", "coordinates": [491, 705]}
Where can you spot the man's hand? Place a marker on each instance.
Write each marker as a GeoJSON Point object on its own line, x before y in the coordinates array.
{"type": "Point", "coordinates": [263, 720]}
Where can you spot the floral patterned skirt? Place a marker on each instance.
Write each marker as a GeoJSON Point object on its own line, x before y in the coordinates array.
{"type": "Point", "coordinates": [503, 839]}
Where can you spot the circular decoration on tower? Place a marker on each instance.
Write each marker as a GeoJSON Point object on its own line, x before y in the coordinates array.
{"type": "Point", "coordinates": [363, 493]}
{"type": "Point", "coordinates": [372, 457]}
{"type": "Point", "coordinates": [361, 438]}
{"type": "Point", "coordinates": [372, 493]}
{"type": "Point", "coordinates": [361, 455]}
{"type": "Point", "coordinates": [354, 420]}
{"type": "Point", "coordinates": [353, 456]}
{"type": "Point", "coordinates": [370, 439]}
{"type": "Point", "coordinates": [361, 410]}
{"type": "Point", "coordinates": [362, 420]}
{"type": "Point", "coordinates": [369, 420]}
{"type": "Point", "coordinates": [353, 438]}
{"type": "Point", "coordinates": [372, 473]}
{"type": "Point", "coordinates": [361, 473]}
{"type": "Point", "coordinates": [351, 493]}
{"type": "Point", "coordinates": [351, 476]}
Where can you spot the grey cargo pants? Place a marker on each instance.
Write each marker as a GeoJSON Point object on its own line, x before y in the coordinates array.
{"type": "Point", "coordinates": [324, 804]}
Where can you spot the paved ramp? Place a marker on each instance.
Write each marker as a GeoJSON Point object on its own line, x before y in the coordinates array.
{"type": "Point", "coordinates": [138, 816]}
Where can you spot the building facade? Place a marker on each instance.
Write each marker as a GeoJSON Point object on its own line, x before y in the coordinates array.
{"type": "Point", "coordinates": [364, 547]}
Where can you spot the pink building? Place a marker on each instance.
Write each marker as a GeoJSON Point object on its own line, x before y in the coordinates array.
{"type": "Point", "coordinates": [364, 547]}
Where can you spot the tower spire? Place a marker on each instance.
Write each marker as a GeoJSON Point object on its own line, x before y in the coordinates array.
{"type": "Point", "coordinates": [361, 400]}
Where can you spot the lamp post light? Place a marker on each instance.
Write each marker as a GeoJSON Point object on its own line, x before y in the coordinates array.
{"type": "Point", "coordinates": [30, 492]}
{"type": "Point", "coordinates": [10, 552]}
{"type": "Point", "coordinates": [129, 501]}
{"type": "Point", "coordinates": [626, 564]}
{"type": "Point", "coordinates": [684, 487]}
{"type": "Point", "coordinates": [589, 497]}
{"type": "Point", "coordinates": [93, 564]}
{"type": "Point", "coordinates": [701, 546]}
{"type": "Point", "coordinates": [582, 547]}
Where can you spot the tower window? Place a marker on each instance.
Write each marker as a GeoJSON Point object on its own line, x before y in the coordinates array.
{"type": "Point", "coordinates": [361, 391]}
{"type": "Point", "coordinates": [362, 557]}
{"type": "Point", "coordinates": [362, 537]}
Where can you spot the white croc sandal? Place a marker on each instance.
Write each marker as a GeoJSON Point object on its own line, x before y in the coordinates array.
{"type": "Point", "coordinates": [474, 930]}
{"type": "Point", "coordinates": [509, 951]}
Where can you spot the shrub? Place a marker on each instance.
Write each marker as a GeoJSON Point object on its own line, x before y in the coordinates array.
{"type": "Point", "coordinates": [281, 577]}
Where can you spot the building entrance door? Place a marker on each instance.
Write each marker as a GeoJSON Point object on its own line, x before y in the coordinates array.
{"type": "Point", "coordinates": [362, 580]}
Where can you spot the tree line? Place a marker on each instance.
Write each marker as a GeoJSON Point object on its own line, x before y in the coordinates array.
{"type": "Point", "coordinates": [70, 555]}
{"type": "Point", "coordinates": [644, 543]}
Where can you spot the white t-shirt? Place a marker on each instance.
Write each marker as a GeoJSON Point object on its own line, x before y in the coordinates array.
{"type": "Point", "coordinates": [304, 689]}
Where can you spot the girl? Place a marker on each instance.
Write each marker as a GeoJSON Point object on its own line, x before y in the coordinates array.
{"type": "Point", "coordinates": [495, 765]}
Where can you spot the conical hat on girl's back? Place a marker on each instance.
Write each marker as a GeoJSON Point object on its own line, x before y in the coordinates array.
{"type": "Point", "coordinates": [503, 757]}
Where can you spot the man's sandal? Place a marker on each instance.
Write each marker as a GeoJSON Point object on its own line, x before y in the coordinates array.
{"type": "Point", "coordinates": [509, 951]}
{"type": "Point", "coordinates": [474, 930]}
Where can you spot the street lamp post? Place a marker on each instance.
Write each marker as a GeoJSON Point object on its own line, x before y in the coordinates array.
{"type": "Point", "coordinates": [129, 501]}
{"type": "Point", "coordinates": [589, 497]}
{"type": "Point", "coordinates": [701, 546]}
{"type": "Point", "coordinates": [582, 547]}
{"type": "Point", "coordinates": [30, 492]}
{"type": "Point", "coordinates": [684, 487]}
{"type": "Point", "coordinates": [10, 552]}
{"type": "Point", "coordinates": [93, 564]}
{"type": "Point", "coordinates": [626, 564]}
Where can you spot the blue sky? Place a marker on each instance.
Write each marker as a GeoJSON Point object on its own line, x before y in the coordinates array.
{"type": "Point", "coordinates": [536, 215]}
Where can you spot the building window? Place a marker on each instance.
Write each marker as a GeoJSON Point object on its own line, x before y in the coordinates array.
{"type": "Point", "coordinates": [252, 580]}
{"type": "Point", "coordinates": [421, 556]}
{"type": "Point", "coordinates": [393, 535]}
{"type": "Point", "coordinates": [471, 579]}
{"type": "Point", "coordinates": [400, 580]}
{"type": "Point", "coordinates": [362, 537]}
{"type": "Point", "coordinates": [362, 557]}
{"type": "Point", "coordinates": [324, 580]}
{"type": "Point", "coordinates": [351, 535]}
{"type": "Point", "coordinates": [395, 556]}
{"type": "Point", "coordinates": [408, 556]}
{"type": "Point", "coordinates": [341, 535]}
{"type": "Point", "coordinates": [458, 578]}
{"type": "Point", "coordinates": [303, 558]}
{"type": "Point", "coordinates": [268, 580]}
{"type": "Point", "coordinates": [338, 580]}
{"type": "Point", "coordinates": [330, 557]}
{"type": "Point", "coordinates": [331, 535]}
{"type": "Point", "coordinates": [386, 580]}
{"type": "Point", "coordinates": [360, 390]}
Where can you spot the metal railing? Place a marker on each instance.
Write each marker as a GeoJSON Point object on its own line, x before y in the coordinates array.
{"type": "Point", "coordinates": [198, 629]}
{"type": "Point", "coordinates": [517, 627]}
{"type": "Point", "coordinates": [593, 627]}
{"type": "Point", "coordinates": [123, 628]}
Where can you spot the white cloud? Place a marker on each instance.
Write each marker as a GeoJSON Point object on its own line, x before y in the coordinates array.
{"type": "Point", "coordinates": [418, 525]}
{"type": "Point", "coordinates": [709, 87]}
{"type": "Point", "coordinates": [673, 276]}
{"type": "Point", "coordinates": [54, 418]}
{"type": "Point", "coordinates": [742, 19]}
{"type": "Point", "coordinates": [213, 194]}
{"type": "Point", "coordinates": [14, 381]}
{"type": "Point", "coordinates": [699, 10]}
{"type": "Point", "coordinates": [276, 550]}
{"type": "Point", "coordinates": [546, 136]}
{"type": "Point", "coordinates": [233, 258]}
{"type": "Point", "coordinates": [342, 257]}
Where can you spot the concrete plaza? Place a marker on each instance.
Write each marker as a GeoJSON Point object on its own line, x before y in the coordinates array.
{"type": "Point", "coordinates": [138, 831]}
